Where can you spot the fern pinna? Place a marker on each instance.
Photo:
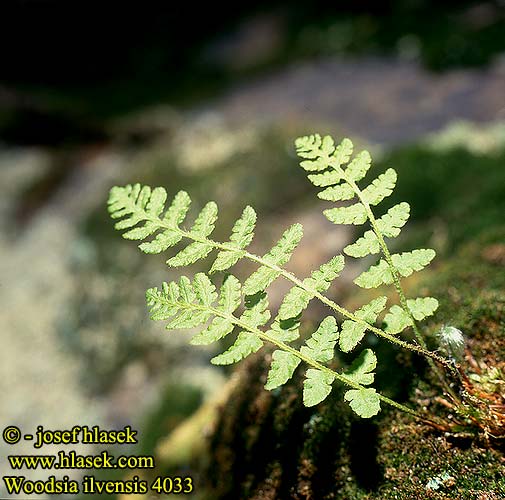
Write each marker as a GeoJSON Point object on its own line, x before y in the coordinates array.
{"type": "Point", "coordinates": [243, 307]}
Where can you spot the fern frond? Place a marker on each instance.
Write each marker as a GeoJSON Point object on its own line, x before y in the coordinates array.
{"type": "Point", "coordinates": [358, 168]}
{"type": "Point", "coordinates": [322, 152]}
{"type": "Point", "coordinates": [277, 256]}
{"type": "Point", "coordinates": [380, 188]}
{"type": "Point", "coordinates": [405, 264]}
{"type": "Point", "coordinates": [353, 332]}
{"type": "Point", "coordinates": [241, 237]}
{"type": "Point", "coordinates": [340, 192]}
{"type": "Point", "coordinates": [397, 319]}
{"type": "Point", "coordinates": [298, 298]}
{"type": "Point", "coordinates": [361, 370]}
{"type": "Point", "coordinates": [365, 402]}
{"type": "Point", "coordinates": [353, 214]}
{"type": "Point", "coordinates": [316, 387]}
{"type": "Point", "coordinates": [321, 344]}
{"type": "Point", "coordinates": [389, 225]}
{"type": "Point", "coordinates": [342, 184]}
{"type": "Point", "coordinates": [282, 368]}
{"type": "Point", "coordinates": [246, 343]}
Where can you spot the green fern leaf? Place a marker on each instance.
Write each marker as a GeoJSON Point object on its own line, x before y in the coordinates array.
{"type": "Point", "coordinates": [202, 228]}
{"type": "Point", "coordinates": [342, 153]}
{"type": "Point", "coordinates": [161, 242]}
{"type": "Point", "coordinates": [119, 201]}
{"type": "Point", "coordinates": [328, 178]}
{"type": "Point", "coordinates": [205, 222]}
{"type": "Point", "coordinates": [178, 209]}
{"type": "Point", "coordinates": [224, 260]}
{"type": "Point", "coordinates": [140, 233]}
{"type": "Point", "coordinates": [187, 294]}
{"type": "Point", "coordinates": [389, 225]}
{"type": "Point", "coordinates": [230, 295]}
{"type": "Point", "coordinates": [241, 236]}
{"type": "Point", "coordinates": [243, 230]}
{"type": "Point", "coordinates": [320, 346]}
{"type": "Point", "coordinates": [124, 201]}
{"type": "Point", "coordinates": [341, 192]}
{"type": "Point", "coordinates": [394, 219]}
{"type": "Point", "coordinates": [256, 313]}
{"type": "Point", "coordinates": [361, 369]}
{"type": "Point", "coordinates": [297, 299]}
{"type": "Point", "coordinates": [204, 289]}
{"type": "Point", "coordinates": [156, 203]}
{"type": "Point", "coordinates": [422, 307]}
{"type": "Point", "coordinates": [189, 319]}
{"type": "Point", "coordinates": [380, 188]}
{"type": "Point", "coordinates": [316, 387]}
{"type": "Point", "coordinates": [367, 244]}
{"type": "Point", "coordinates": [353, 214]}
{"type": "Point", "coordinates": [358, 167]}
{"type": "Point", "coordinates": [321, 154]}
{"type": "Point", "coordinates": [364, 402]}
{"type": "Point", "coordinates": [316, 150]}
{"type": "Point", "coordinates": [352, 332]}
{"type": "Point", "coordinates": [219, 328]}
{"type": "Point", "coordinates": [174, 216]}
{"type": "Point", "coordinates": [397, 319]}
{"type": "Point", "coordinates": [283, 366]}
{"type": "Point", "coordinates": [229, 300]}
{"type": "Point", "coordinates": [285, 330]}
{"type": "Point", "coordinates": [408, 262]}
{"type": "Point", "coordinates": [246, 343]}
{"type": "Point", "coordinates": [375, 276]}
{"type": "Point", "coordinates": [159, 308]}
{"type": "Point", "coordinates": [127, 201]}
{"type": "Point", "coordinates": [278, 256]}
{"type": "Point", "coordinates": [192, 253]}
{"type": "Point", "coordinates": [405, 263]}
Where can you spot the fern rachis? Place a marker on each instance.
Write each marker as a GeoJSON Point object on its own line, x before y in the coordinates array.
{"type": "Point", "coordinates": [196, 303]}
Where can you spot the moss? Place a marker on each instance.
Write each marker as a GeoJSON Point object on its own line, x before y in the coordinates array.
{"type": "Point", "coordinates": [410, 455]}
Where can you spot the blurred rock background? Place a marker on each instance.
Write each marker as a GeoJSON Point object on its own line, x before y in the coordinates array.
{"type": "Point", "coordinates": [209, 100]}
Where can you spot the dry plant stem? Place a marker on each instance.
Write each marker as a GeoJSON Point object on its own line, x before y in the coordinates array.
{"type": "Point", "coordinates": [422, 350]}
{"type": "Point", "coordinates": [401, 294]}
